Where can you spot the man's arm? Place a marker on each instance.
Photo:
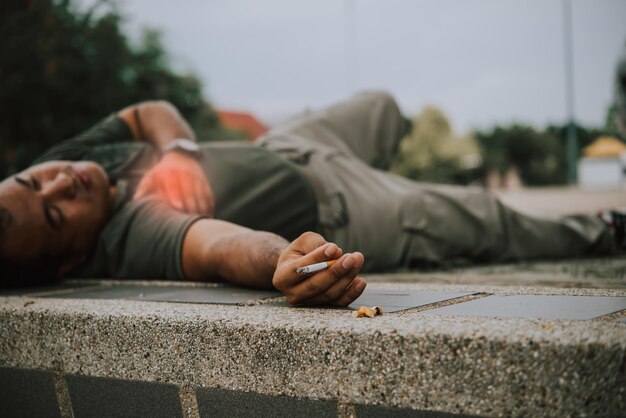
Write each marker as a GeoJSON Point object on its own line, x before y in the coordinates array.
{"type": "Point", "coordinates": [156, 122]}
{"type": "Point", "coordinates": [178, 177]}
{"type": "Point", "coordinates": [219, 250]}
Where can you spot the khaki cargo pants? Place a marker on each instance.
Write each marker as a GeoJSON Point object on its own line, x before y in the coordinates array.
{"type": "Point", "coordinates": [345, 150]}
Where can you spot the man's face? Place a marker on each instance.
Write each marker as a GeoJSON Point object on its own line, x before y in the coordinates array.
{"type": "Point", "coordinates": [57, 209]}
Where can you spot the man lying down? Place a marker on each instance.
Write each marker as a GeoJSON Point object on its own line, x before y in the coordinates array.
{"type": "Point", "coordinates": [136, 197]}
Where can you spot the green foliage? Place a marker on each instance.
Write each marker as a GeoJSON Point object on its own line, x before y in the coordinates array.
{"type": "Point", "coordinates": [611, 125]}
{"type": "Point", "coordinates": [432, 152]}
{"type": "Point", "coordinates": [63, 69]}
{"type": "Point", "coordinates": [538, 156]}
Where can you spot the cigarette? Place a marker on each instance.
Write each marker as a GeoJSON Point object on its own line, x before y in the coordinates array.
{"type": "Point", "coordinates": [312, 268]}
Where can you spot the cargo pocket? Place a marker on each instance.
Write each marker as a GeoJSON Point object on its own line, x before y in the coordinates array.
{"type": "Point", "coordinates": [419, 249]}
{"type": "Point", "coordinates": [333, 211]}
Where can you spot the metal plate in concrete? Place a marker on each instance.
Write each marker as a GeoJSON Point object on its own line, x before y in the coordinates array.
{"type": "Point", "coordinates": [216, 403]}
{"type": "Point", "coordinates": [114, 292]}
{"type": "Point", "coordinates": [35, 290]}
{"type": "Point", "coordinates": [218, 295]}
{"type": "Point", "coordinates": [536, 306]}
{"type": "Point", "coordinates": [27, 393]}
{"type": "Point", "coordinates": [102, 397]}
{"type": "Point", "coordinates": [397, 300]}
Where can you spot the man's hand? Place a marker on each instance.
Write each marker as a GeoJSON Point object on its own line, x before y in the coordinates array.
{"type": "Point", "coordinates": [179, 179]}
{"type": "Point", "coordinates": [337, 285]}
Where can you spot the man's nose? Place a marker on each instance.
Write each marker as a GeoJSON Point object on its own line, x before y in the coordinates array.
{"type": "Point", "coordinates": [62, 186]}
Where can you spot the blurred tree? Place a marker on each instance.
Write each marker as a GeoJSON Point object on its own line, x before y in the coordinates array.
{"type": "Point", "coordinates": [431, 152]}
{"type": "Point", "coordinates": [610, 124]}
{"type": "Point", "coordinates": [538, 156]}
{"type": "Point", "coordinates": [584, 134]}
{"type": "Point", "coordinates": [62, 69]}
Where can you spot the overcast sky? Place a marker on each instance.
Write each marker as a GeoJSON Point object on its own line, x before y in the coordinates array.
{"type": "Point", "coordinates": [482, 61]}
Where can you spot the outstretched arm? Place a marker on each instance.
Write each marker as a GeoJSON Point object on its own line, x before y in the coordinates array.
{"type": "Point", "coordinates": [157, 122]}
{"type": "Point", "coordinates": [219, 250]}
{"type": "Point", "coordinates": [178, 177]}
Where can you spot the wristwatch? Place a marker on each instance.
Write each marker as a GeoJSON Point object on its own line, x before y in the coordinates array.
{"type": "Point", "coordinates": [183, 145]}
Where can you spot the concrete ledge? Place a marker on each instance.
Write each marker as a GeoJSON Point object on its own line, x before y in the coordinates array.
{"type": "Point", "coordinates": [408, 359]}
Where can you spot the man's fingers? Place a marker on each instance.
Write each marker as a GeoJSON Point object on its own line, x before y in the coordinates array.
{"type": "Point", "coordinates": [145, 187]}
{"type": "Point", "coordinates": [169, 186]}
{"type": "Point", "coordinates": [332, 283]}
{"type": "Point", "coordinates": [342, 272]}
{"type": "Point", "coordinates": [308, 242]}
{"type": "Point", "coordinates": [355, 290]}
{"type": "Point", "coordinates": [200, 197]}
{"type": "Point", "coordinates": [210, 200]}
{"type": "Point", "coordinates": [186, 194]}
{"type": "Point", "coordinates": [315, 249]}
{"type": "Point", "coordinates": [289, 276]}
{"type": "Point", "coordinates": [337, 289]}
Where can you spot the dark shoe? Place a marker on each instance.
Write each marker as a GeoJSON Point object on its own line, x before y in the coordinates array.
{"type": "Point", "coordinates": [615, 220]}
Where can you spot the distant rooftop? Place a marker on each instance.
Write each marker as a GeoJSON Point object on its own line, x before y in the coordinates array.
{"type": "Point", "coordinates": [605, 146]}
{"type": "Point", "coordinates": [243, 122]}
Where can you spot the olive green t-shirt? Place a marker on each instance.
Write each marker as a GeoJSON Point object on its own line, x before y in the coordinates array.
{"type": "Point", "coordinates": [253, 187]}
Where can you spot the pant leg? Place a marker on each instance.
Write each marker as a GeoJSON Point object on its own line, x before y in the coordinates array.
{"type": "Point", "coordinates": [446, 223]}
{"type": "Point", "coordinates": [368, 126]}
{"type": "Point", "coordinates": [398, 222]}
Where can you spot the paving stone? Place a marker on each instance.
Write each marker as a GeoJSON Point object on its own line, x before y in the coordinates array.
{"type": "Point", "coordinates": [27, 393]}
{"type": "Point", "coordinates": [114, 292]}
{"type": "Point", "coordinates": [396, 300]}
{"type": "Point", "coordinates": [104, 397]}
{"type": "Point", "coordinates": [231, 404]}
{"type": "Point", "coordinates": [535, 306]}
{"type": "Point", "coordinates": [391, 300]}
{"type": "Point", "coordinates": [369, 411]}
{"type": "Point", "coordinates": [219, 295]}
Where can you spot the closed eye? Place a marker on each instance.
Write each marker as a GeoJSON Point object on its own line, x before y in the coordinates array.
{"type": "Point", "coordinates": [54, 216]}
{"type": "Point", "coordinates": [24, 183]}
{"type": "Point", "coordinates": [35, 183]}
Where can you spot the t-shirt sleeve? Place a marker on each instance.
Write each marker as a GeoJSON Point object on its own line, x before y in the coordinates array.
{"type": "Point", "coordinates": [110, 130]}
{"type": "Point", "coordinates": [143, 240]}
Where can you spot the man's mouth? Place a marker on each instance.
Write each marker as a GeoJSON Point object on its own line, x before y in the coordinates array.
{"type": "Point", "coordinates": [80, 179]}
{"type": "Point", "coordinates": [83, 178]}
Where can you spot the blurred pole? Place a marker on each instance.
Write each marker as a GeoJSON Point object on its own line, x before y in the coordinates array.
{"type": "Point", "coordinates": [349, 12]}
{"type": "Point", "coordinates": [572, 140]}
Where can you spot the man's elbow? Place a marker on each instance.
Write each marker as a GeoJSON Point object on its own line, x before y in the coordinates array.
{"type": "Point", "coordinates": [156, 106]}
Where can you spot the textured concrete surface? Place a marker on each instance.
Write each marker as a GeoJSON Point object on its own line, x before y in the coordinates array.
{"type": "Point", "coordinates": [470, 365]}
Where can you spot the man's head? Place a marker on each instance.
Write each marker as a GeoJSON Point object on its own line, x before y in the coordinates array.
{"type": "Point", "coordinates": [50, 217]}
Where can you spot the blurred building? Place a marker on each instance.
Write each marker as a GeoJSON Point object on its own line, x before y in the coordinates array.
{"type": "Point", "coordinates": [603, 165]}
{"type": "Point", "coordinates": [245, 123]}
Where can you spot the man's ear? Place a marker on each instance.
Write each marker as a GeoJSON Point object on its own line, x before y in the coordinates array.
{"type": "Point", "coordinates": [70, 264]}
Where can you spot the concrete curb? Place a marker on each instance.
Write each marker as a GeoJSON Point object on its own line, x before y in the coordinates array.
{"type": "Point", "coordinates": [469, 365]}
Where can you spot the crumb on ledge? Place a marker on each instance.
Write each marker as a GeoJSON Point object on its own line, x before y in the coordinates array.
{"type": "Point", "coordinates": [368, 312]}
